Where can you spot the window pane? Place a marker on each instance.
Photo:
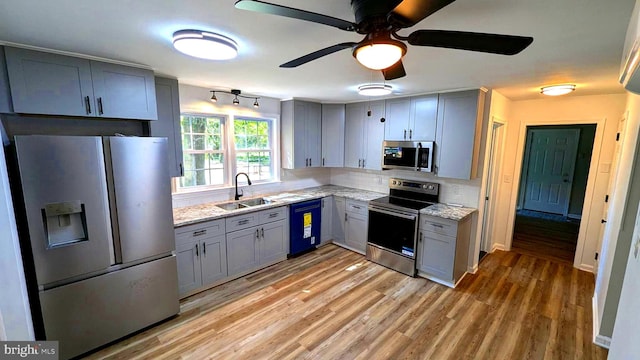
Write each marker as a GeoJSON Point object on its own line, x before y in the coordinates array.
{"type": "Point", "coordinates": [255, 163]}
{"type": "Point", "coordinates": [202, 146]}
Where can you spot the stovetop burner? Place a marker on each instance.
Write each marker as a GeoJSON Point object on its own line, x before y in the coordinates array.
{"type": "Point", "coordinates": [409, 195]}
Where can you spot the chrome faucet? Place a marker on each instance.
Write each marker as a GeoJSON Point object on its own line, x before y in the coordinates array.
{"type": "Point", "coordinates": [242, 193]}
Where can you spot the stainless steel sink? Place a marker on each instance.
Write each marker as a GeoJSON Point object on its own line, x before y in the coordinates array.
{"type": "Point", "coordinates": [235, 205]}
{"type": "Point", "coordinates": [254, 202]}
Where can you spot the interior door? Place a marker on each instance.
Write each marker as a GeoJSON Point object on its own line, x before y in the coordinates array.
{"type": "Point", "coordinates": [551, 162]}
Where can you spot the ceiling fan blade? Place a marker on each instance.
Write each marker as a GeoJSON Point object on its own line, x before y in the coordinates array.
{"type": "Point", "coordinates": [273, 9]}
{"type": "Point", "coordinates": [489, 43]}
{"type": "Point", "coordinates": [394, 71]}
{"type": "Point", "coordinates": [411, 12]}
{"type": "Point", "coordinates": [317, 54]}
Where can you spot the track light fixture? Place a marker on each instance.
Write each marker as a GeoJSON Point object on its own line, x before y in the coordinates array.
{"type": "Point", "coordinates": [237, 94]}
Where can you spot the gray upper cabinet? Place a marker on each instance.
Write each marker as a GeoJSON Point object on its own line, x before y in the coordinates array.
{"type": "Point", "coordinates": [459, 129]}
{"type": "Point", "coordinates": [49, 84]}
{"type": "Point", "coordinates": [52, 84]}
{"type": "Point", "coordinates": [301, 134]}
{"type": "Point", "coordinates": [5, 98]}
{"type": "Point", "coordinates": [168, 124]}
{"type": "Point", "coordinates": [333, 116]}
{"type": "Point", "coordinates": [123, 91]}
{"type": "Point", "coordinates": [411, 118]}
{"type": "Point", "coordinates": [364, 133]}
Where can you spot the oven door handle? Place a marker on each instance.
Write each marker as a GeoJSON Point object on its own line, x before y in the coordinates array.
{"type": "Point", "coordinates": [393, 213]}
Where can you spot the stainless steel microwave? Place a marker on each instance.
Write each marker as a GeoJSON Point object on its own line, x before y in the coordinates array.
{"type": "Point", "coordinates": [408, 155]}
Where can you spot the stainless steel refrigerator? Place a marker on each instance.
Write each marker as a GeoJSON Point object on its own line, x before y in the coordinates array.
{"type": "Point", "coordinates": [96, 226]}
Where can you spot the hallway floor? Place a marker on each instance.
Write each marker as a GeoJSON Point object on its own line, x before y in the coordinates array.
{"type": "Point", "coordinates": [545, 238]}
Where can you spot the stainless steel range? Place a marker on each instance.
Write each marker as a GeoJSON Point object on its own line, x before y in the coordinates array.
{"type": "Point", "coordinates": [393, 223]}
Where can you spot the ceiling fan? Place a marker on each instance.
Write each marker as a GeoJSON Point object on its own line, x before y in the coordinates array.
{"type": "Point", "coordinates": [379, 21]}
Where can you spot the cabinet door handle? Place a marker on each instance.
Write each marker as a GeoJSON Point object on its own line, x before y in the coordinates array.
{"type": "Point", "coordinates": [200, 232]}
{"type": "Point", "coordinates": [363, 162]}
{"type": "Point", "coordinates": [204, 248]}
{"type": "Point", "coordinates": [356, 207]}
{"type": "Point", "coordinates": [257, 233]}
{"type": "Point", "coordinates": [420, 238]}
{"type": "Point", "coordinates": [100, 106]}
{"type": "Point", "coordinates": [437, 225]}
{"type": "Point", "coordinates": [243, 222]}
{"type": "Point", "coordinates": [310, 161]}
{"type": "Point", "coordinates": [197, 253]}
{"type": "Point", "coordinates": [87, 104]}
{"type": "Point", "coordinates": [359, 162]}
{"type": "Point", "coordinates": [405, 134]}
{"type": "Point", "coordinates": [262, 232]}
{"type": "Point", "coordinates": [322, 161]}
{"type": "Point", "coordinates": [410, 134]}
{"type": "Point", "coordinates": [181, 170]}
{"type": "Point", "coordinates": [345, 217]}
{"type": "Point", "coordinates": [272, 215]}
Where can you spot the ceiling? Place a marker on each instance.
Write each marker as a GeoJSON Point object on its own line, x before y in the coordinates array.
{"type": "Point", "coordinates": [576, 41]}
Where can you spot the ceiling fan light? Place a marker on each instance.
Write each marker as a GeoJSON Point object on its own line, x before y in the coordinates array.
{"type": "Point", "coordinates": [557, 90]}
{"type": "Point", "coordinates": [374, 89]}
{"type": "Point", "coordinates": [379, 55]}
{"type": "Point", "coordinates": [205, 45]}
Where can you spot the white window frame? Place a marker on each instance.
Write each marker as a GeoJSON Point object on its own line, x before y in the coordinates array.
{"type": "Point", "coordinates": [229, 153]}
{"type": "Point", "coordinates": [224, 151]}
{"type": "Point", "coordinates": [272, 147]}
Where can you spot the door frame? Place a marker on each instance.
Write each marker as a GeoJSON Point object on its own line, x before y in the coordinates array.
{"type": "Point", "coordinates": [494, 165]}
{"type": "Point", "coordinates": [585, 225]}
{"type": "Point", "coordinates": [525, 167]}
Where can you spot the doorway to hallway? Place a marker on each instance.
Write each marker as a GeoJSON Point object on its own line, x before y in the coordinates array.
{"type": "Point", "coordinates": [552, 190]}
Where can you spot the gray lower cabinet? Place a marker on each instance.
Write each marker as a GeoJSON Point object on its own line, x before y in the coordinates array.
{"type": "Point", "coordinates": [356, 225]}
{"type": "Point", "coordinates": [261, 239]}
{"type": "Point", "coordinates": [326, 228]}
{"type": "Point", "coordinates": [443, 249]}
{"type": "Point", "coordinates": [201, 255]}
{"type": "Point", "coordinates": [52, 84]}
{"type": "Point", "coordinates": [338, 220]}
{"type": "Point", "coordinates": [168, 124]}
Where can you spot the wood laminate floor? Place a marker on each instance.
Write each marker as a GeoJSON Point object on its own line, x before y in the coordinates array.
{"type": "Point", "coordinates": [333, 304]}
{"type": "Point", "coordinates": [547, 239]}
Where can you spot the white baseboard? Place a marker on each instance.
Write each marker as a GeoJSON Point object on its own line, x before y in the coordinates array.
{"type": "Point", "coordinates": [497, 246]}
{"type": "Point", "coordinates": [600, 340]}
{"type": "Point", "coordinates": [585, 267]}
{"type": "Point", "coordinates": [472, 269]}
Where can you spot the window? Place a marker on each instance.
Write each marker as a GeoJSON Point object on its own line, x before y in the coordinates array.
{"type": "Point", "coordinates": [203, 149]}
{"type": "Point", "coordinates": [253, 147]}
{"type": "Point", "coordinates": [215, 148]}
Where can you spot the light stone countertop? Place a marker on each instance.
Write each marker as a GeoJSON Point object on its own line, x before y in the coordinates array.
{"type": "Point", "coordinates": [448, 212]}
{"type": "Point", "coordinates": [204, 212]}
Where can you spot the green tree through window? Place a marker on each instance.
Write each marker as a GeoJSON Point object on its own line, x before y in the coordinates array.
{"type": "Point", "coordinates": [203, 149]}
{"type": "Point", "coordinates": [253, 148]}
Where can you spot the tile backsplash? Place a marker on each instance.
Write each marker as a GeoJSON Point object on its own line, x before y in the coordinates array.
{"type": "Point", "coordinates": [452, 191]}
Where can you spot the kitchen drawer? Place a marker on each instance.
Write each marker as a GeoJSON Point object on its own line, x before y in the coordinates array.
{"type": "Point", "coordinates": [244, 221]}
{"type": "Point", "coordinates": [187, 234]}
{"type": "Point", "coordinates": [357, 207]}
{"type": "Point", "coordinates": [275, 214]}
{"type": "Point", "coordinates": [438, 225]}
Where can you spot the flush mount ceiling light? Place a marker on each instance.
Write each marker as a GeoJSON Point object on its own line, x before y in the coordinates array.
{"type": "Point", "coordinates": [379, 53]}
{"type": "Point", "coordinates": [556, 90]}
{"type": "Point", "coordinates": [237, 94]}
{"type": "Point", "coordinates": [374, 89]}
{"type": "Point", "coordinates": [205, 45]}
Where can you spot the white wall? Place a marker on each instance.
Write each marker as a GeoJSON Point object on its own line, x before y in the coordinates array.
{"type": "Point", "coordinates": [617, 232]}
{"type": "Point", "coordinates": [194, 99]}
{"type": "Point", "coordinates": [15, 316]}
{"type": "Point", "coordinates": [603, 109]}
{"type": "Point", "coordinates": [625, 344]}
